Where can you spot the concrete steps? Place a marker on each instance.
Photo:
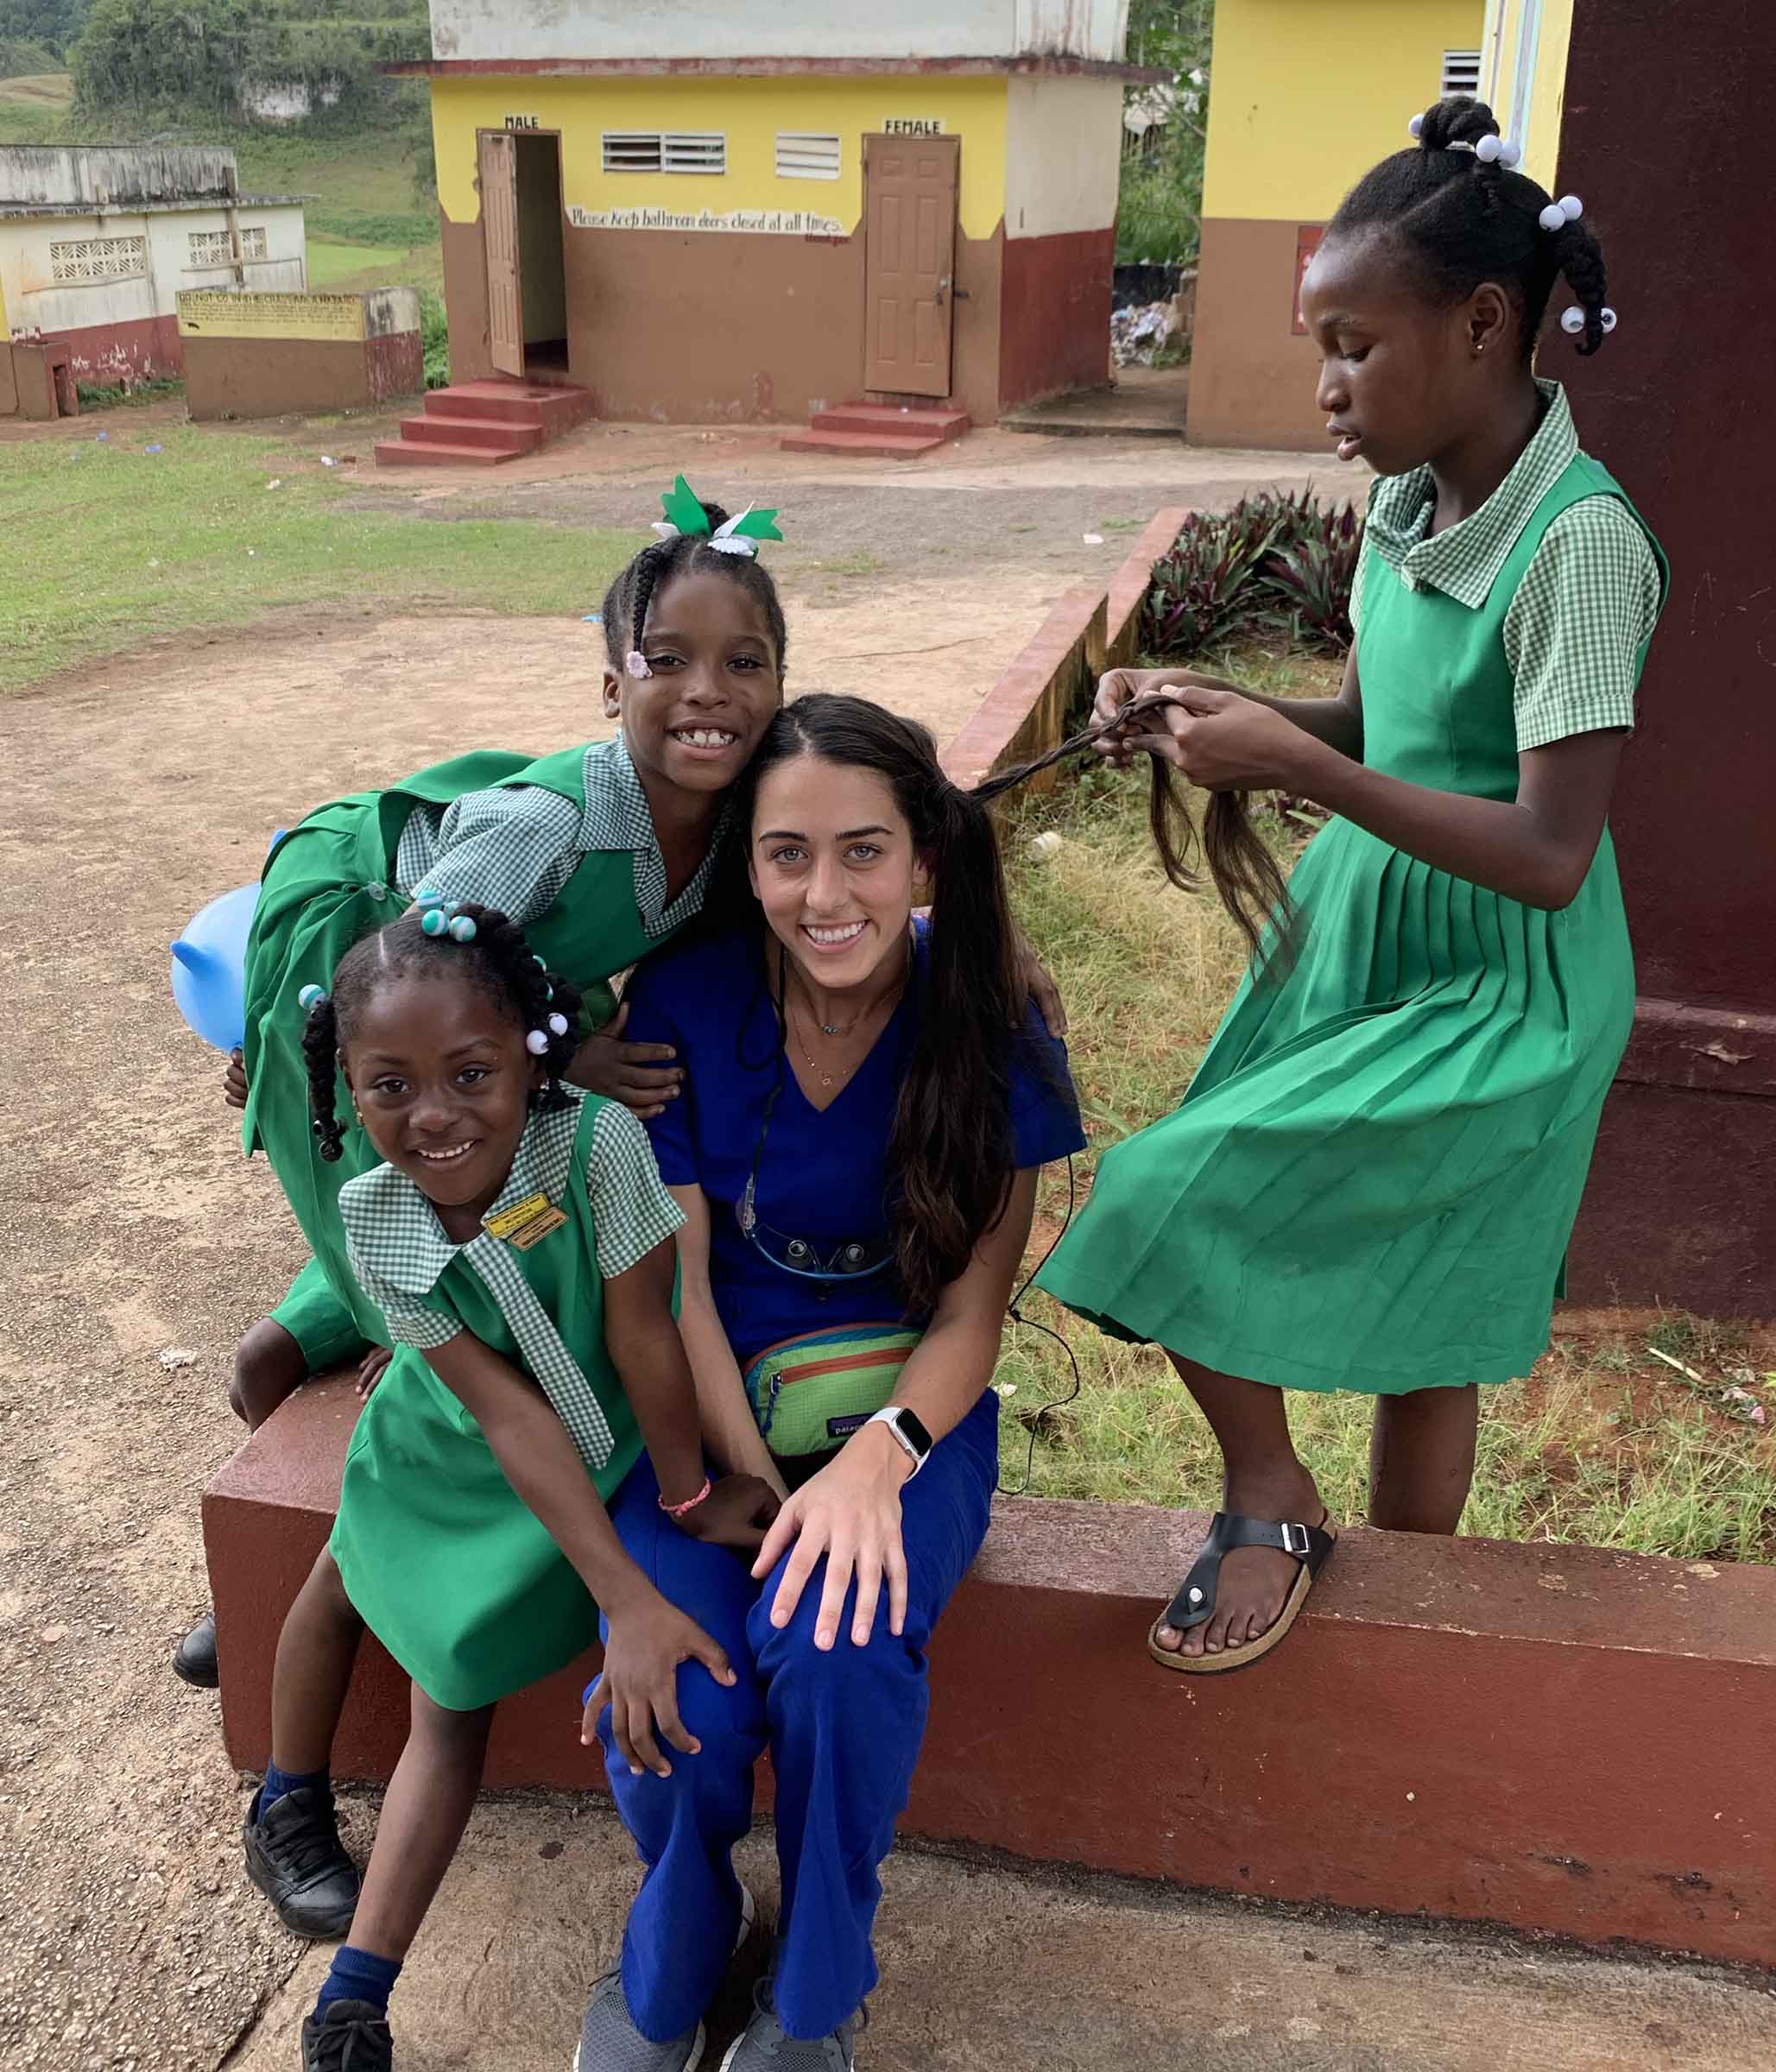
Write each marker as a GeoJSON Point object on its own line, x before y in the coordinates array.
{"type": "Point", "coordinates": [878, 430]}
{"type": "Point", "coordinates": [481, 423]}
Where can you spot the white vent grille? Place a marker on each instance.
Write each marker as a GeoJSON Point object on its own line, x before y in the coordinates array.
{"type": "Point", "coordinates": [803, 154]}
{"type": "Point", "coordinates": [253, 243]}
{"type": "Point", "coordinates": [666, 151]}
{"type": "Point", "coordinates": [97, 259]}
{"type": "Point", "coordinates": [1461, 72]}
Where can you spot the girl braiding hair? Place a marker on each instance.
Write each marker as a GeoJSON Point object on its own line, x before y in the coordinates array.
{"type": "Point", "coordinates": [492, 952]}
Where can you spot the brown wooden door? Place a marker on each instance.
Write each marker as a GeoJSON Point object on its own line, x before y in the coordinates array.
{"type": "Point", "coordinates": [909, 261]}
{"type": "Point", "coordinates": [499, 232]}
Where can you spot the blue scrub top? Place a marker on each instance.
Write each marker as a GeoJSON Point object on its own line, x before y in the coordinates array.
{"type": "Point", "coordinates": [823, 1177]}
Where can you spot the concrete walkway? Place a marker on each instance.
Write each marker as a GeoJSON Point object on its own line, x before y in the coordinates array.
{"type": "Point", "coordinates": [987, 1968]}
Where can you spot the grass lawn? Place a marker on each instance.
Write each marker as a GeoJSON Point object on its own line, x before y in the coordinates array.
{"type": "Point", "coordinates": [1605, 1444]}
{"type": "Point", "coordinates": [126, 544]}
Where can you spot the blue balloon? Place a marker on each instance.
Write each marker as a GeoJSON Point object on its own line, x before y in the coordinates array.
{"type": "Point", "coordinates": [210, 968]}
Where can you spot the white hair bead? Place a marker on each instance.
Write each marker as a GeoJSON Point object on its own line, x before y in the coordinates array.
{"type": "Point", "coordinates": [1606, 317]}
{"type": "Point", "coordinates": [1572, 207]}
{"type": "Point", "coordinates": [1510, 155]}
{"type": "Point", "coordinates": [1487, 150]}
{"type": "Point", "coordinates": [537, 1042]}
{"type": "Point", "coordinates": [1552, 218]}
{"type": "Point", "coordinates": [1416, 127]}
{"type": "Point", "coordinates": [557, 1024]}
{"type": "Point", "coordinates": [1572, 320]}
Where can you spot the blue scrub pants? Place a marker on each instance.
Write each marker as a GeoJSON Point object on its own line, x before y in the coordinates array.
{"type": "Point", "coordinates": [844, 1729]}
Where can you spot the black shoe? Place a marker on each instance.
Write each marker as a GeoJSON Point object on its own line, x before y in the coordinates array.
{"type": "Point", "coordinates": [296, 1858]}
{"type": "Point", "coordinates": [195, 1656]}
{"type": "Point", "coordinates": [351, 2036]}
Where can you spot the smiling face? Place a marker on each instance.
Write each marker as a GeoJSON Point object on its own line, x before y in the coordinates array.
{"type": "Point", "coordinates": [833, 865]}
{"type": "Point", "coordinates": [443, 1082]}
{"type": "Point", "coordinates": [714, 683]}
{"type": "Point", "coordinates": [1398, 374]}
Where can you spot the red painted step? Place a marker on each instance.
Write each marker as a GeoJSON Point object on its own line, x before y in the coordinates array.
{"type": "Point", "coordinates": [479, 424]}
{"type": "Point", "coordinates": [419, 453]}
{"type": "Point", "coordinates": [884, 445]}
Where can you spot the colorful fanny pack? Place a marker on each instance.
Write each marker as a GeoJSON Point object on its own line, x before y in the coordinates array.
{"type": "Point", "coordinates": [810, 1393]}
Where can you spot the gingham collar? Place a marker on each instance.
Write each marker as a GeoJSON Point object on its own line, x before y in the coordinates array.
{"type": "Point", "coordinates": [396, 1229]}
{"type": "Point", "coordinates": [617, 817]}
{"type": "Point", "coordinates": [1464, 561]}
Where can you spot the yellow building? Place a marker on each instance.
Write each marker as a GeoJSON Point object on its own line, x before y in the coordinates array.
{"type": "Point", "coordinates": [914, 202]}
{"type": "Point", "coordinates": [1304, 96]}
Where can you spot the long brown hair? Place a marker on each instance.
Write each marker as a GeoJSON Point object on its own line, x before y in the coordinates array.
{"type": "Point", "coordinates": [950, 1154]}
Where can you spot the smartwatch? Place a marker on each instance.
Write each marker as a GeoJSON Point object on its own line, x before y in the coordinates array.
{"type": "Point", "coordinates": [910, 1435]}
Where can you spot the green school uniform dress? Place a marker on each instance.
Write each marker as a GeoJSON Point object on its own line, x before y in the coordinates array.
{"type": "Point", "coordinates": [1372, 1179]}
{"type": "Point", "coordinates": [449, 1571]}
{"type": "Point", "coordinates": [564, 844]}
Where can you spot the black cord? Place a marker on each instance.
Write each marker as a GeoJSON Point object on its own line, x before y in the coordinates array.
{"type": "Point", "coordinates": [1017, 1316]}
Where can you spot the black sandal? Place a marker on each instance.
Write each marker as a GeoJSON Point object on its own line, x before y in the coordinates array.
{"type": "Point", "coordinates": [1194, 1605]}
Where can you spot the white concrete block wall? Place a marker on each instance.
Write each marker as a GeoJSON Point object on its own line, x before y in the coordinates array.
{"type": "Point", "coordinates": [778, 28]}
{"type": "Point", "coordinates": [1063, 155]}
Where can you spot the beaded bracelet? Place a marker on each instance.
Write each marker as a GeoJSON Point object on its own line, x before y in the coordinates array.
{"type": "Point", "coordinates": [690, 1502]}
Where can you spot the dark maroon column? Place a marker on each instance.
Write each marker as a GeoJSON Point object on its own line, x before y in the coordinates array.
{"type": "Point", "coordinates": [1665, 139]}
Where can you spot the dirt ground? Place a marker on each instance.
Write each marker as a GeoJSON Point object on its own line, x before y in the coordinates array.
{"type": "Point", "coordinates": [137, 1244]}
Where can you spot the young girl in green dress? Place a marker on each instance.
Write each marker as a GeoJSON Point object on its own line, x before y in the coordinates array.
{"type": "Point", "coordinates": [517, 1241]}
{"type": "Point", "coordinates": [603, 851]}
{"type": "Point", "coordinates": [1372, 1179]}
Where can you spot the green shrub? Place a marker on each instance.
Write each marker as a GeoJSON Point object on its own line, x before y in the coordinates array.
{"type": "Point", "coordinates": [1273, 565]}
{"type": "Point", "coordinates": [434, 340]}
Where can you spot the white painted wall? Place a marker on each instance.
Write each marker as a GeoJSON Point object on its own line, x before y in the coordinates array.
{"type": "Point", "coordinates": [1063, 155]}
{"type": "Point", "coordinates": [778, 28]}
{"type": "Point", "coordinates": [34, 300]}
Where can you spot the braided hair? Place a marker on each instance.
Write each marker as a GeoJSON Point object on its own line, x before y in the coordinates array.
{"type": "Point", "coordinates": [627, 600]}
{"type": "Point", "coordinates": [497, 959]}
{"type": "Point", "coordinates": [1461, 219]}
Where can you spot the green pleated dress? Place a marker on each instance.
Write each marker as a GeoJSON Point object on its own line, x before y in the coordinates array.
{"type": "Point", "coordinates": [456, 1578]}
{"type": "Point", "coordinates": [1372, 1179]}
{"type": "Point", "coordinates": [329, 881]}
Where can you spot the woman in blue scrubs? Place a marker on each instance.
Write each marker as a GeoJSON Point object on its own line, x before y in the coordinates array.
{"type": "Point", "coordinates": [865, 1102]}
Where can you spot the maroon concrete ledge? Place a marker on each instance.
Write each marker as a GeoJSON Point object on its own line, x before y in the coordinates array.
{"type": "Point", "coordinates": [1558, 1738]}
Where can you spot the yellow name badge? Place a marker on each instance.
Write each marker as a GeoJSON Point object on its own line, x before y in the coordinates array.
{"type": "Point", "coordinates": [527, 1222]}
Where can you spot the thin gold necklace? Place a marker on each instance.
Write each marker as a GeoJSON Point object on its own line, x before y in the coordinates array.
{"type": "Point", "coordinates": [831, 1076]}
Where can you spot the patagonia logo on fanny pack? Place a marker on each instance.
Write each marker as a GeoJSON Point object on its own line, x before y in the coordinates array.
{"type": "Point", "coordinates": [842, 1428]}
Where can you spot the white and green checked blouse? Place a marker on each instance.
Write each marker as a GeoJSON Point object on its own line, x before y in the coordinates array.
{"type": "Point", "coordinates": [1586, 606]}
{"type": "Point", "coordinates": [399, 1251]}
{"type": "Point", "coordinates": [515, 847]}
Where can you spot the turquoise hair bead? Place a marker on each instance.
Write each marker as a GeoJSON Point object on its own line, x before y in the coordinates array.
{"type": "Point", "coordinates": [462, 929]}
{"type": "Point", "coordinates": [309, 995]}
{"type": "Point", "coordinates": [428, 898]}
{"type": "Point", "coordinates": [434, 921]}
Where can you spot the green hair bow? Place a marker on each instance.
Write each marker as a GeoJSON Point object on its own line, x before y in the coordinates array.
{"type": "Point", "coordinates": [684, 514]}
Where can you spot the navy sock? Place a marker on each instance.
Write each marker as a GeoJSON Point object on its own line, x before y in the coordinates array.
{"type": "Point", "coordinates": [358, 1976]}
{"type": "Point", "coordinates": [280, 1782]}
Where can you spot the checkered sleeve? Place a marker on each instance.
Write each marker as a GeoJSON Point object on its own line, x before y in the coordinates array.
{"type": "Point", "coordinates": [412, 1321]}
{"type": "Point", "coordinates": [1356, 582]}
{"type": "Point", "coordinates": [513, 848]}
{"type": "Point", "coordinates": [632, 1212]}
{"type": "Point", "coordinates": [1581, 618]}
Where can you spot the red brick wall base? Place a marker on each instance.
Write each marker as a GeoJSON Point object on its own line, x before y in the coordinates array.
{"type": "Point", "coordinates": [1556, 1739]}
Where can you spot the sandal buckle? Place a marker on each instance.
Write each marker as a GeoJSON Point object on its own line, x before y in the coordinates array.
{"type": "Point", "coordinates": [1295, 1541]}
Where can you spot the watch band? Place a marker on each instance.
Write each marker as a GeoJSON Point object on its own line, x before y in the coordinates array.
{"type": "Point", "coordinates": [910, 1435]}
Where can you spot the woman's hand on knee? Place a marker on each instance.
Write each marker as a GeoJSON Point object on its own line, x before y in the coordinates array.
{"type": "Point", "coordinates": [850, 1513]}
{"type": "Point", "coordinates": [640, 1683]}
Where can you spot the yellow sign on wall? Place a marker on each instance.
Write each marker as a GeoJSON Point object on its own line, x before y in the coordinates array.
{"type": "Point", "coordinates": [214, 313]}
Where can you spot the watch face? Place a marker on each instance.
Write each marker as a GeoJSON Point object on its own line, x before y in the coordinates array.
{"type": "Point", "coordinates": [914, 1431]}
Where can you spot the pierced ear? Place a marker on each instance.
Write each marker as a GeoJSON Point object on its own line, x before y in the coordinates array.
{"type": "Point", "coordinates": [1490, 318]}
{"type": "Point", "coordinates": [612, 694]}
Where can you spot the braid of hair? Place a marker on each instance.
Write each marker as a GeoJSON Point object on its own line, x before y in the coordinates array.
{"type": "Point", "coordinates": [632, 591]}
{"type": "Point", "coordinates": [1578, 256]}
{"type": "Point", "coordinates": [537, 994]}
{"type": "Point", "coordinates": [320, 1054]}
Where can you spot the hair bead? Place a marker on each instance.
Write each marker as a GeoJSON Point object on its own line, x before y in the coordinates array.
{"type": "Point", "coordinates": [462, 929]}
{"type": "Point", "coordinates": [434, 920]}
{"type": "Point", "coordinates": [557, 1024]}
{"type": "Point", "coordinates": [1572, 321]}
{"type": "Point", "coordinates": [310, 996]}
{"type": "Point", "coordinates": [1510, 154]}
{"type": "Point", "coordinates": [1416, 127]}
{"type": "Point", "coordinates": [1606, 317]}
{"type": "Point", "coordinates": [537, 1043]}
{"type": "Point", "coordinates": [1553, 217]}
{"type": "Point", "coordinates": [1489, 150]}
{"type": "Point", "coordinates": [1570, 207]}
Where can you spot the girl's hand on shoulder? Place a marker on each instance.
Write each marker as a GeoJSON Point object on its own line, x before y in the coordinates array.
{"type": "Point", "coordinates": [371, 1369]}
{"type": "Point", "coordinates": [850, 1512]}
{"type": "Point", "coordinates": [1038, 982]}
{"type": "Point", "coordinates": [1221, 740]}
{"type": "Point", "coordinates": [640, 1683]}
{"type": "Point", "coordinates": [735, 1513]}
{"type": "Point", "coordinates": [639, 1075]}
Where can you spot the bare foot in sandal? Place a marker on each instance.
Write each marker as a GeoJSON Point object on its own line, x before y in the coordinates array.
{"type": "Point", "coordinates": [1254, 1583]}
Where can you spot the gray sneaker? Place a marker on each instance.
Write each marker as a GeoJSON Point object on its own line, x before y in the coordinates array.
{"type": "Point", "coordinates": [609, 2041]}
{"type": "Point", "coordinates": [761, 2046]}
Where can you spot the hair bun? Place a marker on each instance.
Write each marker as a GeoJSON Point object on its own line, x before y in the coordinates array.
{"type": "Point", "coordinates": [1459, 119]}
{"type": "Point", "coordinates": [715, 514]}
